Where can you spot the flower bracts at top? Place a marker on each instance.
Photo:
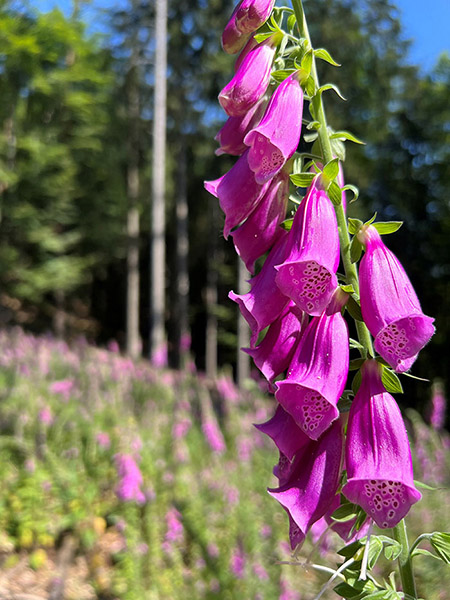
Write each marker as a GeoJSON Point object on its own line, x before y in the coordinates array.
{"type": "Point", "coordinates": [296, 306]}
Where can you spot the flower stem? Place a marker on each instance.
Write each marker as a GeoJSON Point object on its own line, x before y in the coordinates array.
{"type": "Point", "coordinates": [351, 272]}
{"type": "Point", "coordinates": [405, 562]}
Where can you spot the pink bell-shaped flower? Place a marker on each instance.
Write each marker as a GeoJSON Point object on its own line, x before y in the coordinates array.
{"type": "Point", "coordinates": [238, 193]}
{"type": "Point", "coordinates": [389, 305]}
{"type": "Point", "coordinates": [264, 302]}
{"type": "Point", "coordinates": [233, 39]}
{"type": "Point", "coordinates": [317, 374]}
{"type": "Point", "coordinates": [378, 456]}
{"type": "Point", "coordinates": [285, 432]}
{"type": "Point", "coordinates": [251, 14]}
{"type": "Point", "coordinates": [250, 81]}
{"type": "Point", "coordinates": [276, 138]}
{"type": "Point", "coordinates": [231, 135]}
{"type": "Point", "coordinates": [274, 353]}
{"type": "Point", "coordinates": [262, 228]}
{"type": "Point", "coordinates": [312, 482]}
{"type": "Point", "coordinates": [308, 274]}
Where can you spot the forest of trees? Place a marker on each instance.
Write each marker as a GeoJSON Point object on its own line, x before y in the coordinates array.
{"type": "Point", "coordinates": [76, 168]}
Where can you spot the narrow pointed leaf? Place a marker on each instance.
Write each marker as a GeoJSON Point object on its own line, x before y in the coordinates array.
{"type": "Point", "coordinates": [388, 227]}
{"type": "Point", "coordinates": [326, 56]}
{"type": "Point", "coordinates": [391, 382]}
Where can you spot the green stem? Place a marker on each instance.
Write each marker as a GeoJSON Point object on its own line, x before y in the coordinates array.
{"type": "Point", "coordinates": [351, 272]}
{"type": "Point", "coordinates": [405, 562]}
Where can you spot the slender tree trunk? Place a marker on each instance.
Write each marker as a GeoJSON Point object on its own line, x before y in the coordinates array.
{"type": "Point", "coordinates": [211, 296]}
{"type": "Point", "coordinates": [243, 359]}
{"type": "Point", "coordinates": [157, 279]}
{"type": "Point", "coordinates": [182, 272]}
{"type": "Point", "coordinates": [133, 342]}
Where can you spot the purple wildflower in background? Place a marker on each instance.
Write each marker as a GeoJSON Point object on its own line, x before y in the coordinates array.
{"type": "Point", "coordinates": [237, 563]}
{"type": "Point", "coordinates": [378, 456]}
{"type": "Point", "coordinates": [250, 81]}
{"type": "Point", "coordinates": [174, 532]}
{"type": "Point", "coordinates": [389, 305]}
{"type": "Point", "coordinates": [45, 416]}
{"type": "Point", "coordinates": [213, 435]}
{"type": "Point", "coordinates": [307, 275]}
{"type": "Point", "coordinates": [227, 389]}
{"type": "Point", "coordinates": [276, 138]}
{"type": "Point", "coordinates": [63, 387]}
{"type": "Point", "coordinates": [317, 374]}
{"type": "Point", "coordinates": [438, 406]}
{"type": "Point", "coordinates": [285, 432]}
{"type": "Point", "coordinates": [129, 487]}
{"type": "Point", "coordinates": [103, 440]}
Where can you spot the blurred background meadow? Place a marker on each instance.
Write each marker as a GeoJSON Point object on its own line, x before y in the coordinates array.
{"type": "Point", "coordinates": [129, 463]}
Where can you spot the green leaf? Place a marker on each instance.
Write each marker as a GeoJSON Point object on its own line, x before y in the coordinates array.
{"type": "Point", "coordinates": [331, 86]}
{"type": "Point", "coordinates": [356, 382]}
{"type": "Point", "coordinates": [356, 364]}
{"type": "Point", "coordinates": [351, 549]}
{"type": "Point", "coordinates": [425, 486]}
{"type": "Point", "coordinates": [302, 179]}
{"type": "Point", "coordinates": [310, 86]}
{"type": "Point", "coordinates": [370, 221]}
{"type": "Point", "coordinates": [386, 227]}
{"type": "Point", "coordinates": [441, 545]}
{"type": "Point", "coordinates": [287, 224]}
{"type": "Point", "coordinates": [354, 309]}
{"type": "Point", "coordinates": [424, 552]}
{"type": "Point", "coordinates": [346, 135]}
{"type": "Point", "coordinates": [355, 345]}
{"type": "Point", "coordinates": [306, 62]}
{"type": "Point", "coordinates": [346, 591]}
{"type": "Point", "coordinates": [291, 22]}
{"type": "Point", "coordinates": [353, 189]}
{"type": "Point", "coordinates": [346, 512]}
{"type": "Point", "coordinates": [345, 403]}
{"type": "Point", "coordinates": [354, 225]}
{"type": "Point", "coordinates": [379, 595]}
{"type": "Point", "coordinates": [282, 74]}
{"type": "Point", "coordinates": [313, 125]}
{"type": "Point", "coordinates": [331, 169]}
{"type": "Point", "coordinates": [391, 381]}
{"type": "Point", "coordinates": [356, 249]}
{"type": "Point", "coordinates": [260, 37]}
{"type": "Point", "coordinates": [334, 193]}
{"type": "Point", "coordinates": [393, 551]}
{"type": "Point", "coordinates": [375, 549]}
{"type": "Point", "coordinates": [326, 56]}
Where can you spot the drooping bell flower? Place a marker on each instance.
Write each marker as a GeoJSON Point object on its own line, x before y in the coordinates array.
{"type": "Point", "coordinates": [251, 14]}
{"type": "Point", "coordinates": [285, 432]}
{"type": "Point", "coordinates": [238, 193]}
{"type": "Point", "coordinates": [389, 305]}
{"type": "Point", "coordinates": [251, 80]}
{"type": "Point", "coordinates": [231, 135]}
{"type": "Point", "coordinates": [262, 228]}
{"type": "Point", "coordinates": [274, 353]}
{"type": "Point", "coordinates": [378, 456]}
{"type": "Point", "coordinates": [233, 39]}
{"type": "Point", "coordinates": [313, 481]}
{"type": "Point", "coordinates": [276, 138]}
{"type": "Point", "coordinates": [318, 371]}
{"type": "Point", "coordinates": [245, 50]}
{"type": "Point", "coordinates": [308, 275]}
{"type": "Point", "coordinates": [264, 302]}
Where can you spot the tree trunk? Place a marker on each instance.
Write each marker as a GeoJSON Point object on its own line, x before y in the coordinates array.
{"type": "Point", "coordinates": [133, 342]}
{"type": "Point", "coordinates": [182, 339]}
{"type": "Point", "coordinates": [157, 279]}
{"type": "Point", "coordinates": [243, 359]}
{"type": "Point", "coordinates": [211, 296]}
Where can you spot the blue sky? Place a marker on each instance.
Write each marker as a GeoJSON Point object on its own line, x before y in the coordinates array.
{"type": "Point", "coordinates": [427, 24]}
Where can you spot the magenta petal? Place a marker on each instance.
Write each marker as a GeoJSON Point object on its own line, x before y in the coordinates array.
{"type": "Point", "coordinates": [264, 302]}
{"type": "Point", "coordinates": [238, 193]}
{"type": "Point", "coordinates": [233, 39]}
{"type": "Point", "coordinates": [262, 228]}
{"type": "Point", "coordinates": [251, 14]}
{"type": "Point", "coordinates": [378, 456]}
{"type": "Point", "coordinates": [231, 135]}
{"type": "Point", "coordinates": [317, 375]}
{"type": "Point", "coordinates": [250, 82]}
{"type": "Point", "coordinates": [276, 138]}
{"type": "Point", "coordinates": [308, 275]}
{"type": "Point", "coordinates": [274, 353]}
{"type": "Point", "coordinates": [389, 305]}
{"type": "Point", "coordinates": [286, 434]}
{"type": "Point", "coordinates": [313, 480]}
